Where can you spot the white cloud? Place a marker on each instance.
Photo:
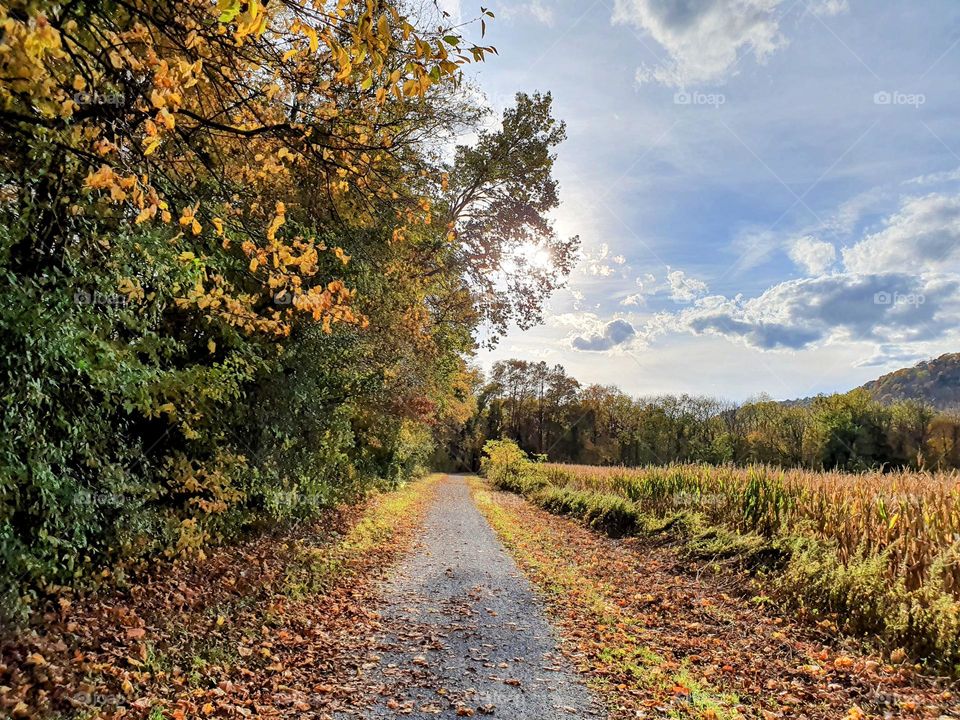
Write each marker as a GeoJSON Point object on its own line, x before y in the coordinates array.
{"type": "Point", "coordinates": [678, 285]}
{"type": "Point", "coordinates": [683, 288]}
{"type": "Point", "coordinates": [536, 10]}
{"type": "Point", "coordinates": [898, 286]}
{"type": "Point", "coordinates": [452, 8]}
{"type": "Point", "coordinates": [702, 37]}
{"type": "Point", "coordinates": [580, 321]}
{"type": "Point", "coordinates": [614, 333]}
{"type": "Point", "coordinates": [829, 8]}
{"type": "Point", "coordinates": [600, 270]}
{"type": "Point", "coordinates": [814, 256]}
{"type": "Point", "coordinates": [799, 313]}
{"type": "Point", "coordinates": [755, 247]}
{"type": "Point", "coordinates": [924, 236]}
{"type": "Point", "coordinates": [647, 284]}
{"type": "Point", "coordinates": [935, 178]}
{"type": "Point", "coordinates": [599, 263]}
{"type": "Point", "coordinates": [543, 352]}
{"type": "Point", "coordinates": [891, 355]}
{"type": "Point", "coordinates": [540, 12]}
{"type": "Point", "coordinates": [845, 220]}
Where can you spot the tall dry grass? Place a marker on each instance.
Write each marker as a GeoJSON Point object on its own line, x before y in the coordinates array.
{"type": "Point", "coordinates": [911, 519]}
{"type": "Point", "coordinates": [874, 554]}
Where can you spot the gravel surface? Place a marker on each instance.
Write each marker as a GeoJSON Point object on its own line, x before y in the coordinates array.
{"type": "Point", "coordinates": [468, 636]}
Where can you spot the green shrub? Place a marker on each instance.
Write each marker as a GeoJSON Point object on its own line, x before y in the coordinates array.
{"type": "Point", "coordinates": [505, 465]}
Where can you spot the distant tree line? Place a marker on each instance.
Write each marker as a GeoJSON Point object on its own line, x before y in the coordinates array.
{"type": "Point", "coordinates": [548, 412]}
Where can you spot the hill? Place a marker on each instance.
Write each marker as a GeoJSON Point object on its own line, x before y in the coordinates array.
{"type": "Point", "coordinates": [935, 381]}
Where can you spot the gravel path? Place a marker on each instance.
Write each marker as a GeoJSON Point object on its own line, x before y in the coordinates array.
{"type": "Point", "coordinates": [467, 634]}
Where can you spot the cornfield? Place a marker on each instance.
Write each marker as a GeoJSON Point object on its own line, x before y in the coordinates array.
{"type": "Point", "coordinates": [910, 519]}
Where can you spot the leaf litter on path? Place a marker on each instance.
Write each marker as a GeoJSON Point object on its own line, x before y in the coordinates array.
{"type": "Point", "coordinates": [279, 626]}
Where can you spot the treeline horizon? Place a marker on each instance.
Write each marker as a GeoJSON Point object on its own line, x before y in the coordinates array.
{"type": "Point", "coordinates": [551, 414]}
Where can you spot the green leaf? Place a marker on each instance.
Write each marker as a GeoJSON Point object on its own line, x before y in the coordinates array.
{"type": "Point", "coordinates": [229, 9]}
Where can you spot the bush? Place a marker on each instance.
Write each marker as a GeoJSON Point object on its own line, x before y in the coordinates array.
{"type": "Point", "coordinates": [505, 465]}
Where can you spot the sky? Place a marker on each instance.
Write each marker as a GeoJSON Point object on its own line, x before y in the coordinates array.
{"type": "Point", "coordinates": [767, 192]}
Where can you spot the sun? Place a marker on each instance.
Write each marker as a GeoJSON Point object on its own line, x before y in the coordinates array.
{"type": "Point", "coordinates": [526, 256]}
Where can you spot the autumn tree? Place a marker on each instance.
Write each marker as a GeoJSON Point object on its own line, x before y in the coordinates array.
{"type": "Point", "coordinates": [210, 310]}
{"type": "Point", "coordinates": [497, 207]}
{"type": "Point", "coordinates": [547, 412]}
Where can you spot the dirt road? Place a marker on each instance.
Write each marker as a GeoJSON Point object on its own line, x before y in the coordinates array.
{"type": "Point", "coordinates": [468, 635]}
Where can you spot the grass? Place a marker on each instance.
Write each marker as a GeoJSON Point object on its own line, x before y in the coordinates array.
{"type": "Point", "coordinates": [316, 568]}
{"type": "Point", "coordinates": [192, 648]}
{"type": "Point", "coordinates": [878, 555]}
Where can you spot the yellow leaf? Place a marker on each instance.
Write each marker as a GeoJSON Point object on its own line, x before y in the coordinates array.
{"type": "Point", "coordinates": [314, 40]}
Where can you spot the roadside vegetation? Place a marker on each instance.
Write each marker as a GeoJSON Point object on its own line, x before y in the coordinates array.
{"type": "Point", "coordinates": [873, 554]}
{"type": "Point", "coordinates": [242, 260]}
{"type": "Point", "coordinates": [277, 624]}
{"type": "Point", "coordinates": [658, 633]}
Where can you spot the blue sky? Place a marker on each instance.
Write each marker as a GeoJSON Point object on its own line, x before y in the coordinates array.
{"type": "Point", "coordinates": [767, 191]}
